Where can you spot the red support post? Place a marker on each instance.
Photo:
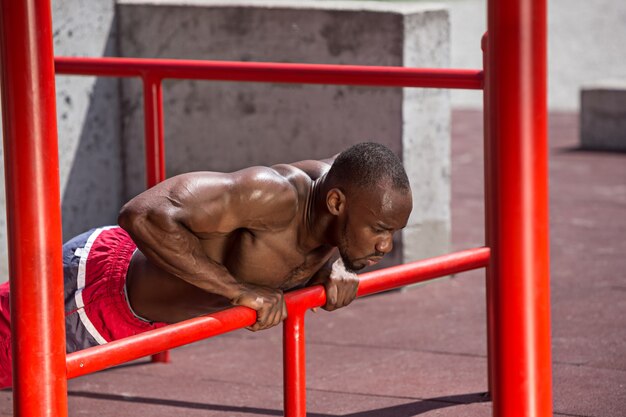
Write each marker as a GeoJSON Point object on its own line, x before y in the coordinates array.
{"type": "Point", "coordinates": [33, 209]}
{"type": "Point", "coordinates": [155, 148]}
{"type": "Point", "coordinates": [153, 135]}
{"type": "Point", "coordinates": [517, 134]}
{"type": "Point", "coordinates": [294, 364]}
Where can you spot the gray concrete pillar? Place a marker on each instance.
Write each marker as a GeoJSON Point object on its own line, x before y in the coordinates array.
{"type": "Point", "coordinates": [603, 116]}
{"type": "Point", "coordinates": [223, 126]}
{"type": "Point", "coordinates": [88, 123]}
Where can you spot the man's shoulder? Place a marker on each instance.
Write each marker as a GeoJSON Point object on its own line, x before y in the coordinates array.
{"type": "Point", "coordinates": [261, 180]}
{"type": "Point", "coordinates": [305, 171]}
{"type": "Point", "coordinates": [270, 193]}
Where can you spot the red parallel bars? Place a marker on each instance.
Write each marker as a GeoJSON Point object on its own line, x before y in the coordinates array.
{"type": "Point", "coordinates": [153, 71]}
{"type": "Point", "coordinates": [120, 351]}
{"type": "Point", "coordinates": [298, 302]}
{"type": "Point", "coordinates": [518, 206]}
{"type": "Point", "coordinates": [33, 208]}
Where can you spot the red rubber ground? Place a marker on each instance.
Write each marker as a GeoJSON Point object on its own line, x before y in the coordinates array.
{"type": "Point", "coordinates": [434, 364]}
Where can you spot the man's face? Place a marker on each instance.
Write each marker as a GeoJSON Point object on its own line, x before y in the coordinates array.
{"type": "Point", "coordinates": [370, 221]}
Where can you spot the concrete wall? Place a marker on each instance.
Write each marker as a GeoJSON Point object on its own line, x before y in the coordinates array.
{"type": "Point", "coordinates": [603, 116]}
{"type": "Point", "coordinates": [227, 126]}
{"type": "Point", "coordinates": [585, 45]}
{"type": "Point", "coordinates": [88, 123]}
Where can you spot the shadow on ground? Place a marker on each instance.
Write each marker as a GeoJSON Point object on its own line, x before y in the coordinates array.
{"type": "Point", "coordinates": [402, 410]}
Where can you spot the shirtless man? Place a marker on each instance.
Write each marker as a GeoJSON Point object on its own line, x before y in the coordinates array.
{"type": "Point", "coordinates": [204, 241]}
{"type": "Point", "coordinates": [208, 240]}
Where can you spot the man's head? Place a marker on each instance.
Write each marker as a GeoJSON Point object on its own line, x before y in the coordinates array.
{"type": "Point", "coordinates": [370, 196]}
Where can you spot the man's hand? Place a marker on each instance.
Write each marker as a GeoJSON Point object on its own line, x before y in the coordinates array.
{"type": "Point", "coordinates": [269, 305]}
{"type": "Point", "coordinates": [341, 287]}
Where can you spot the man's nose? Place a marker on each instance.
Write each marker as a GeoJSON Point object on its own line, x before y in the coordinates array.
{"type": "Point", "coordinates": [385, 244]}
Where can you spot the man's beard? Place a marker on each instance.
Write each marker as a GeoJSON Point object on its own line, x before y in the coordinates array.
{"type": "Point", "coordinates": [343, 249]}
{"type": "Point", "coordinates": [350, 267]}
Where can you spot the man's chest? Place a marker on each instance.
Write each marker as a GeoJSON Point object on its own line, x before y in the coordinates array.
{"type": "Point", "coordinates": [273, 260]}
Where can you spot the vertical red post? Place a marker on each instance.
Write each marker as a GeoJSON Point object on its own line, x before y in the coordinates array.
{"type": "Point", "coordinates": [153, 135]}
{"type": "Point", "coordinates": [517, 134]}
{"type": "Point", "coordinates": [33, 209]}
{"type": "Point", "coordinates": [489, 216]}
{"type": "Point", "coordinates": [294, 364]}
{"type": "Point", "coordinates": [155, 147]}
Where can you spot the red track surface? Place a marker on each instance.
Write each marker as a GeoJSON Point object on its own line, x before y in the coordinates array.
{"type": "Point", "coordinates": [419, 352]}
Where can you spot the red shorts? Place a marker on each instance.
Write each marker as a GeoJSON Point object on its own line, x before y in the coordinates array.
{"type": "Point", "coordinates": [96, 307]}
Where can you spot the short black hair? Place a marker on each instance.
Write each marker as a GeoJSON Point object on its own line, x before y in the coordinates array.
{"type": "Point", "coordinates": [366, 164]}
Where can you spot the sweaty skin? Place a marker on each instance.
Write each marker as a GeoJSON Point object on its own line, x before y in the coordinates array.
{"type": "Point", "coordinates": [207, 241]}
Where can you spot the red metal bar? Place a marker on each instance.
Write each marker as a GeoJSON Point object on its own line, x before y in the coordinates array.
{"type": "Point", "coordinates": [272, 72]}
{"type": "Point", "coordinates": [516, 46]}
{"type": "Point", "coordinates": [411, 273]}
{"type": "Point", "coordinates": [33, 209]}
{"type": "Point", "coordinates": [153, 135]}
{"type": "Point", "coordinates": [120, 351]}
{"type": "Point", "coordinates": [154, 148]}
{"type": "Point", "coordinates": [294, 364]}
{"type": "Point", "coordinates": [134, 347]}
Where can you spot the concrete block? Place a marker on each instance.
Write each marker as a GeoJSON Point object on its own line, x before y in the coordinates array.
{"type": "Point", "coordinates": [603, 116]}
{"type": "Point", "coordinates": [227, 126]}
{"type": "Point", "coordinates": [88, 123]}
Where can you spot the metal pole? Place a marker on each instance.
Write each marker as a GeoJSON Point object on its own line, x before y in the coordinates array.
{"type": "Point", "coordinates": [33, 209]}
{"type": "Point", "coordinates": [153, 119]}
{"type": "Point", "coordinates": [294, 364]}
{"type": "Point", "coordinates": [272, 72]}
{"type": "Point", "coordinates": [155, 148]}
{"type": "Point", "coordinates": [516, 45]}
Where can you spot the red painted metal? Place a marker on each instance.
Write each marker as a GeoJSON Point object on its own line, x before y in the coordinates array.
{"type": "Point", "coordinates": [144, 344]}
{"type": "Point", "coordinates": [517, 134]}
{"type": "Point", "coordinates": [294, 363]}
{"type": "Point", "coordinates": [272, 72]}
{"type": "Point", "coordinates": [153, 135]}
{"type": "Point", "coordinates": [161, 357]}
{"type": "Point", "coordinates": [120, 351]}
{"type": "Point", "coordinates": [33, 209]}
{"type": "Point", "coordinates": [411, 273]}
{"type": "Point", "coordinates": [154, 148]}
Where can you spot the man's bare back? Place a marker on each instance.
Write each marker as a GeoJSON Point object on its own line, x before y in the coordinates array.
{"type": "Point", "coordinates": [209, 240]}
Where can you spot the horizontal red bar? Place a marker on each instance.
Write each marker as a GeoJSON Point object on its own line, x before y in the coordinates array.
{"type": "Point", "coordinates": [424, 270]}
{"type": "Point", "coordinates": [145, 344]}
{"type": "Point", "coordinates": [272, 72]}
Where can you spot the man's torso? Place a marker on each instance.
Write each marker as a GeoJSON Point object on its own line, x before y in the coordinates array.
{"type": "Point", "coordinates": [270, 257]}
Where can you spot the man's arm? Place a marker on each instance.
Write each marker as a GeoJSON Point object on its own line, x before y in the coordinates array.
{"type": "Point", "coordinates": [166, 221]}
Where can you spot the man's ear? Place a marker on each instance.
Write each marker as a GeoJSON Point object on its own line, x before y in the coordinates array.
{"type": "Point", "coordinates": [336, 201]}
